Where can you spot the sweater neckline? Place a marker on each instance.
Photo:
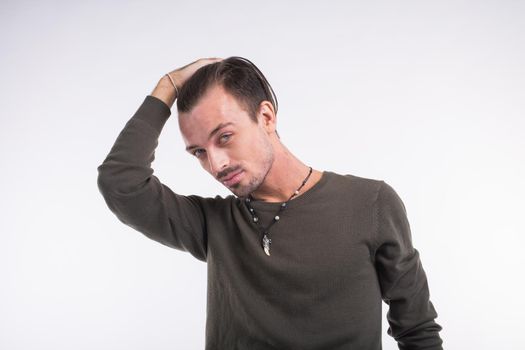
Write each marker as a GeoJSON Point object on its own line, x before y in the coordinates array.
{"type": "Point", "coordinates": [268, 206]}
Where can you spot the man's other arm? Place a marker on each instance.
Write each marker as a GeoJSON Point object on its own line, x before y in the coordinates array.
{"type": "Point", "coordinates": [403, 282]}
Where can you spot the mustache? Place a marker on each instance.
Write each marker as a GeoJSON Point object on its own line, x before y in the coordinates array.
{"type": "Point", "coordinates": [225, 173]}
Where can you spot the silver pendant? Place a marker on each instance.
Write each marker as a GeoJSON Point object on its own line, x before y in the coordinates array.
{"type": "Point", "coordinates": [266, 244]}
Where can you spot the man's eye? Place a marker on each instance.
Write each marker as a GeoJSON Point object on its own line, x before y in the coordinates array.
{"type": "Point", "coordinates": [226, 137]}
{"type": "Point", "coordinates": [196, 153]}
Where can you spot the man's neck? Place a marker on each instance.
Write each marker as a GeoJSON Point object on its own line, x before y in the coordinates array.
{"type": "Point", "coordinates": [285, 176]}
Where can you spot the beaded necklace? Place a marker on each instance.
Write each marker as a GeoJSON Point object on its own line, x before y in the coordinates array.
{"type": "Point", "coordinates": [266, 241]}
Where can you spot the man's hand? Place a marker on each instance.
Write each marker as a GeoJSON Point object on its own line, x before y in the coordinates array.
{"type": "Point", "coordinates": [165, 90]}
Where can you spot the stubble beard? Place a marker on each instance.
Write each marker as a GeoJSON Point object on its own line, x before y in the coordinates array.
{"type": "Point", "coordinates": [254, 182]}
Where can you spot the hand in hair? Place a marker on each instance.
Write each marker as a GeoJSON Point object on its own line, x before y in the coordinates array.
{"type": "Point", "coordinates": [165, 90]}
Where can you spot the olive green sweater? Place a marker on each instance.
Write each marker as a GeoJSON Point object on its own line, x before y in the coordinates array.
{"type": "Point", "coordinates": [338, 251]}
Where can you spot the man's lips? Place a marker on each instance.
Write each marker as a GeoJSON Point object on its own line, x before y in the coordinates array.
{"type": "Point", "coordinates": [227, 179]}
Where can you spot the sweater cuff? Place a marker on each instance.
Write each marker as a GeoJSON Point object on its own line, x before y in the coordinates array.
{"type": "Point", "coordinates": [153, 111]}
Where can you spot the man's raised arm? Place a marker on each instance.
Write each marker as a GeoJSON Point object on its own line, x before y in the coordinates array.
{"type": "Point", "coordinates": [136, 196]}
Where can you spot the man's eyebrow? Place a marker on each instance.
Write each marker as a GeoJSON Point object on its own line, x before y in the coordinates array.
{"type": "Point", "coordinates": [213, 132]}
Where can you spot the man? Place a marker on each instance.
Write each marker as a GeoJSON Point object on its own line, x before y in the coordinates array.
{"type": "Point", "coordinates": [298, 258]}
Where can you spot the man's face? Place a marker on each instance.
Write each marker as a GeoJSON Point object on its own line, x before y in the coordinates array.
{"type": "Point", "coordinates": [227, 142]}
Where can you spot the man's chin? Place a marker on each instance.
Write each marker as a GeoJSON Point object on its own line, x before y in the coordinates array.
{"type": "Point", "coordinates": [239, 190]}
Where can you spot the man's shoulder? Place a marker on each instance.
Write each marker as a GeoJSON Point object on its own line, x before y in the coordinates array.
{"type": "Point", "coordinates": [366, 188]}
{"type": "Point", "coordinates": [356, 183]}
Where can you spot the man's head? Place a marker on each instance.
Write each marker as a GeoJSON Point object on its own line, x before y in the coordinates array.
{"type": "Point", "coordinates": [227, 118]}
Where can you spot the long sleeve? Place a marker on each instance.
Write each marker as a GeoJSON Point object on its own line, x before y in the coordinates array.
{"type": "Point", "coordinates": [403, 282]}
{"type": "Point", "coordinates": [138, 198]}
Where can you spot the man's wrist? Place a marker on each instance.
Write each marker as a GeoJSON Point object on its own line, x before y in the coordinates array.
{"type": "Point", "coordinates": [165, 91]}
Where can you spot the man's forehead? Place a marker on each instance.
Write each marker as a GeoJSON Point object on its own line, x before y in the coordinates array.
{"type": "Point", "coordinates": [199, 121]}
{"type": "Point", "coordinates": [214, 110]}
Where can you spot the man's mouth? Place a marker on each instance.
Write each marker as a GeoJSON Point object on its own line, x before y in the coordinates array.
{"type": "Point", "coordinates": [232, 179]}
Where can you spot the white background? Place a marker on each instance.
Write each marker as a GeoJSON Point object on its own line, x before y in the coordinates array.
{"type": "Point", "coordinates": [428, 96]}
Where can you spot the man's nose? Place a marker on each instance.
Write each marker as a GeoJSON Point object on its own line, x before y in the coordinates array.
{"type": "Point", "coordinates": [218, 161]}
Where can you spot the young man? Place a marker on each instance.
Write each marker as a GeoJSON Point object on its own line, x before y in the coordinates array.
{"type": "Point", "coordinates": [298, 258]}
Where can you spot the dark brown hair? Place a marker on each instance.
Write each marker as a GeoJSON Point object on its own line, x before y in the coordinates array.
{"type": "Point", "coordinates": [238, 76]}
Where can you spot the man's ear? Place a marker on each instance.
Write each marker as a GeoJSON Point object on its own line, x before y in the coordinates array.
{"type": "Point", "coordinates": [266, 116]}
